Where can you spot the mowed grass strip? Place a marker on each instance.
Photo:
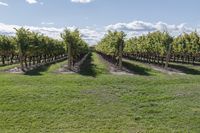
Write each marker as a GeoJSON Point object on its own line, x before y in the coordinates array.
{"type": "Point", "coordinates": [104, 103]}
{"type": "Point", "coordinates": [7, 67]}
{"type": "Point", "coordinates": [93, 66]}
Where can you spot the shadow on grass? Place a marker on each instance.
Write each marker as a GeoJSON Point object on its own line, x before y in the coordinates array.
{"type": "Point", "coordinates": [5, 65]}
{"type": "Point", "coordinates": [185, 69]}
{"type": "Point", "coordinates": [136, 69]}
{"type": "Point", "coordinates": [88, 68]}
{"type": "Point", "coordinates": [1, 65]}
{"type": "Point", "coordinates": [39, 70]}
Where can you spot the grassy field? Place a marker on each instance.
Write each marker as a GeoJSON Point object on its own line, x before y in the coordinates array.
{"type": "Point", "coordinates": [95, 101]}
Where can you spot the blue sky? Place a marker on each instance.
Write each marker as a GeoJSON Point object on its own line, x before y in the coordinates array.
{"type": "Point", "coordinates": [94, 17]}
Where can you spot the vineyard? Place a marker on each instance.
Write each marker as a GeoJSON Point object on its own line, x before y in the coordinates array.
{"type": "Point", "coordinates": [34, 49]}
{"type": "Point", "coordinates": [99, 66]}
{"type": "Point", "coordinates": [155, 48]}
{"type": "Point", "coordinates": [31, 49]}
{"type": "Point", "coordinates": [141, 84]}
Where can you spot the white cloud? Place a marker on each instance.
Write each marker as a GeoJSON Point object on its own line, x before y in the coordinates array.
{"type": "Point", "coordinates": [93, 34]}
{"type": "Point", "coordinates": [32, 1]}
{"type": "Point", "coordinates": [89, 35]}
{"type": "Point", "coordinates": [82, 1]}
{"type": "Point", "coordinates": [133, 26]}
{"type": "Point", "coordinates": [51, 32]}
{"type": "Point", "coordinates": [47, 23]}
{"type": "Point", "coordinates": [137, 28]}
{"type": "Point", "coordinates": [3, 4]}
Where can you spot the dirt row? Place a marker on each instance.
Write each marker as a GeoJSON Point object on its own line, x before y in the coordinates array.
{"type": "Point", "coordinates": [18, 70]}
{"type": "Point", "coordinates": [114, 70]}
{"type": "Point", "coordinates": [111, 67]}
{"type": "Point", "coordinates": [64, 68]}
{"type": "Point", "coordinates": [169, 70]}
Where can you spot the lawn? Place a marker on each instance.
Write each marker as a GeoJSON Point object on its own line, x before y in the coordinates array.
{"type": "Point", "coordinates": [95, 101]}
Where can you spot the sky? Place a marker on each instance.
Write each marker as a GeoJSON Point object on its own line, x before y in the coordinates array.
{"type": "Point", "coordinates": [95, 17]}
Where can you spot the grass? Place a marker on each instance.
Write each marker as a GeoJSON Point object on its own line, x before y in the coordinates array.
{"type": "Point", "coordinates": [186, 68]}
{"type": "Point", "coordinates": [45, 69]}
{"type": "Point", "coordinates": [93, 66]}
{"type": "Point", "coordinates": [98, 102]}
{"type": "Point", "coordinates": [139, 68]}
{"type": "Point", "coordinates": [7, 67]}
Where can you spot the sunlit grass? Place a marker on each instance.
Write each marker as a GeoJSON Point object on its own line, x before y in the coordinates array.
{"type": "Point", "coordinates": [104, 103]}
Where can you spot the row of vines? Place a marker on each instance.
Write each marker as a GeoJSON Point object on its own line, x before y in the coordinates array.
{"type": "Point", "coordinates": [153, 48]}
{"type": "Point", "coordinates": [111, 47]}
{"type": "Point", "coordinates": [30, 48]}
{"type": "Point", "coordinates": [156, 47]}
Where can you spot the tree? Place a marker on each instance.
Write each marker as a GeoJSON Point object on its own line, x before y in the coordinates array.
{"type": "Point", "coordinates": [22, 36]}
{"type": "Point", "coordinates": [150, 48]}
{"type": "Point", "coordinates": [35, 48]}
{"type": "Point", "coordinates": [112, 45]}
{"type": "Point", "coordinates": [7, 48]}
{"type": "Point", "coordinates": [76, 47]}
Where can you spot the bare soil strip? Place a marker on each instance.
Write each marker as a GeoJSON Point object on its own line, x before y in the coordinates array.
{"type": "Point", "coordinates": [169, 71]}
{"type": "Point", "coordinates": [18, 70]}
{"type": "Point", "coordinates": [161, 69]}
{"type": "Point", "coordinates": [113, 69]}
{"type": "Point", "coordinates": [64, 69]}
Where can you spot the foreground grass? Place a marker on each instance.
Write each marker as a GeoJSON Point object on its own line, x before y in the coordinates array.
{"type": "Point", "coordinates": [104, 103]}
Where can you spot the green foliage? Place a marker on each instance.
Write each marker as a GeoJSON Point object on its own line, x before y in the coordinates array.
{"type": "Point", "coordinates": [109, 45]}
{"type": "Point", "coordinates": [187, 44]}
{"type": "Point", "coordinates": [35, 44]}
{"type": "Point", "coordinates": [78, 46]}
{"type": "Point", "coordinates": [156, 43]}
{"type": "Point", "coordinates": [34, 47]}
{"type": "Point", "coordinates": [7, 47]}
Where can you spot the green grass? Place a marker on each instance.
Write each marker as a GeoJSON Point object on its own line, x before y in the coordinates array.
{"type": "Point", "coordinates": [98, 102]}
{"type": "Point", "coordinates": [46, 69]}
{"type": "Point", "coordinates": [139, 68]}
{"type": "Point", "coordinates": [186, 68]}
{"type": "Point", "coordinates": [93, 66]}
{"type": "Point", "coordinates": [7, 67]}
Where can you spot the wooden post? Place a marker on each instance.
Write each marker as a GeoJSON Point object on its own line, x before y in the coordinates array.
{"type": "Point", "coordinates": [21, 57]}
{"type": "Point", "coordinates": [3, 60]}
{"type": "Point", "coordinates": [168, 57]}
{"type": "Point", "coordinates": [120, 55]}
{"type": "Point", "coordinates": [69, 57]}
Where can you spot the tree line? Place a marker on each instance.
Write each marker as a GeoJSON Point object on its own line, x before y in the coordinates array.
{"type": "Point", "coordinates": [76, 46]}
{"type": "Point", "coordinates": [31, 48]}
{"type": "Point", "coordinates": [156, 47]}
{"type": "Point", "coordinates": [111, 47]}
{"type": "Point", "coordinates": [153, 47]}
